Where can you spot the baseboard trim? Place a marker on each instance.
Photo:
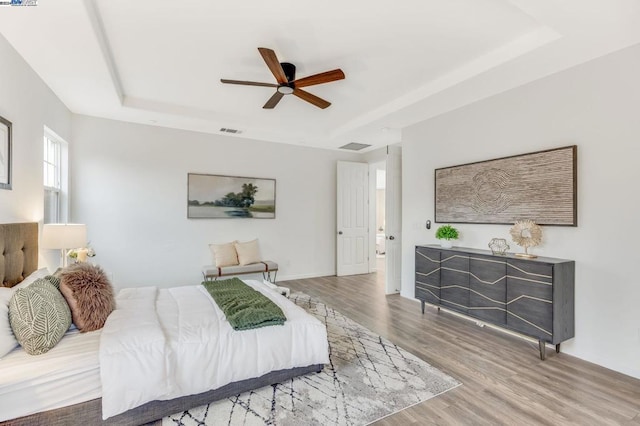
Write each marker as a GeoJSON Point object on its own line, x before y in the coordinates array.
{"type": "Point", "coordinates": [304, 276]}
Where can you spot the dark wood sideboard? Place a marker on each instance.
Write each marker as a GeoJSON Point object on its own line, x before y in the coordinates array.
{"type": "Point", "coordinates": [534, 297]}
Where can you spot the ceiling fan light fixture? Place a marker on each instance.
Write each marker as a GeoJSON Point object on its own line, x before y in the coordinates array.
{"type": "Point", "coordinates": [287, 84]}
{"type": "Point", "coordinates": [285, 90]}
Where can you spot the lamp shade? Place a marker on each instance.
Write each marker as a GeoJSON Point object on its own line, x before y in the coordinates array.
{"type": "Point", "coordinates": [63, 235]}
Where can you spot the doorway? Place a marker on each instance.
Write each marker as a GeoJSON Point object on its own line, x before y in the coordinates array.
{"type": "Point", "coordinates": [385, 188]}
{"type": "Point", "coordinates": [380, 193]}
{"type": "Point", "coordinates": [369, 219]}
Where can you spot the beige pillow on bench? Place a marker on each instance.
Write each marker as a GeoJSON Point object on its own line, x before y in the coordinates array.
{"type": "Point", "coordinates": [224, 254]}
{"type": "Point", "coordinates": [248, 252]}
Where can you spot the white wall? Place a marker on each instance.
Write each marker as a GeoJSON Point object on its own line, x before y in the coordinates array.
{"type": "Point", "coordinates": [594, 106]}
{"type": "Point", "coordinates": [130, 188]}
{"type": "Point", "coordinates": [30, 105]}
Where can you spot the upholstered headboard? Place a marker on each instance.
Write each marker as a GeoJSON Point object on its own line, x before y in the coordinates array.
{"type": "Point", "coordinates": [18, 252]}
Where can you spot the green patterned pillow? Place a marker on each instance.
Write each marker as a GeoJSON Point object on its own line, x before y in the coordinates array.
{"type": "Point", "coordinates": [39, 316]}
{"type": "Point", "coordinates": [53, 279]}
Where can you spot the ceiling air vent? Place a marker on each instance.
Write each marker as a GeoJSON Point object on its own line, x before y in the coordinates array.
{"type": "Point", "coordinates": [234, 131]}
{"type": "Point", "coordinates": [354, 146]}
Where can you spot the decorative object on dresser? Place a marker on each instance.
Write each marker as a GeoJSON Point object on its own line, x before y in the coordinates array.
{"type": "Point", "coordinates": [540, 185]}
{"type": "Point", "coordinates": [5, 153]}
{"type": "Point", "coordinates": [526, 233]}
{"type": "Point", "coordinates": [63, 236]}
{"type": "Point", "coordinates": [498, 246]}
{"type": "Point", "coordinates": [533, 297]}
{"type": "Point", "coordinates": [230, 197]}
{"type": "Point", "coordinates": [445, 234]}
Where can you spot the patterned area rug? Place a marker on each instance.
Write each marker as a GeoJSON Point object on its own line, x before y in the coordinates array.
{"type": "Point", "coordinates": [368, 378]}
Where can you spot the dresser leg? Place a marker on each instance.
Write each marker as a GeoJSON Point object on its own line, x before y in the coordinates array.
{"type": "Point", "coordinates": [422, 305]}
{"type": "Point", "coordinates": [543, 348]}
{"type": "Point", "coordinates": [558, 348]}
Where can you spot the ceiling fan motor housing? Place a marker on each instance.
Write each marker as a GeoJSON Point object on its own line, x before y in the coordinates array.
{"type": "Point", "coordinates": [289, 71]}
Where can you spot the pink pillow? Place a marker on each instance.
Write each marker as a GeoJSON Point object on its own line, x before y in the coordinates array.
{"type": "Point", "coordinates": [89, 295]}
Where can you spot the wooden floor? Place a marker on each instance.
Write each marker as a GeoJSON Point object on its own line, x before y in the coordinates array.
{"type": "Point", "coordinates": [504, 380]}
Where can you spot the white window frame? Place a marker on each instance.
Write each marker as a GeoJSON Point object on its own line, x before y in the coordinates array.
{"type": "Point", "coordinates": [60, 185]}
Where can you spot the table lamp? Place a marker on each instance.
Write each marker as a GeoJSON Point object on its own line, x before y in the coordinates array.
{"type": "Point", "coordinates": [63, 236]}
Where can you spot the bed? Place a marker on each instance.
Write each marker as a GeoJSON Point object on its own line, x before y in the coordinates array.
{"type": "Point", "coordinates": [71, 370]}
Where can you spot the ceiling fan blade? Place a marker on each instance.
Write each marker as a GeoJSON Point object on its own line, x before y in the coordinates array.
{"type": "Point", "coordinates": [313, 99]}
{"type": "Point", "coordinates": [248, 83]}
{"type": "Point", "coordinates": [323, 77]}
{"type": "Point", "coordinates": [273, 101]}
{"type": "Point", "coordinates": [271, 59]}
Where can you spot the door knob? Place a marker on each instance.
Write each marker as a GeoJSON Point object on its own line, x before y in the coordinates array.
{"type": "Point", "coordinates": [339, 232]}
{"type": "Point", "coordinates": [391, 237]}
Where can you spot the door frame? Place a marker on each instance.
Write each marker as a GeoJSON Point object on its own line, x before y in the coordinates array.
{"type": "Point", "coordinates": [373, 264]}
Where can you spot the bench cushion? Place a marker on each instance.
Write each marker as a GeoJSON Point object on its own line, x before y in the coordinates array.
{"type": "Point", "coordinates": [253, 268]}
{"type": "Point", "coordinates": [271, 266]}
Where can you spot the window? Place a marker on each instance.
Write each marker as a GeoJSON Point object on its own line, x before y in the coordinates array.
{"type": "Point", "coordinates": [55, 178]}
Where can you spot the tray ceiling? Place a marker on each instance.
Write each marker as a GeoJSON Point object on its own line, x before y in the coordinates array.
{"type": "Point", "coordinates": [160, 62]}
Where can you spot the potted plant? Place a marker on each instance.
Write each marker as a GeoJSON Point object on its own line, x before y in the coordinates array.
{"type": "Point", "coordinates": [445, 234]}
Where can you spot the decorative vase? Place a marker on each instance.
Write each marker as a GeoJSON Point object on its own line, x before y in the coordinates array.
{"type": "Point", "coordinates": [446, 243]}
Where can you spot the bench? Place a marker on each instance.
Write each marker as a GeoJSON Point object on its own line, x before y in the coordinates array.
{"type": "Point", "coordinates": [212, 273]}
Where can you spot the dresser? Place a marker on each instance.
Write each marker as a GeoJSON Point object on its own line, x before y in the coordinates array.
{"type": "Point", "coordinates": [534, 297]}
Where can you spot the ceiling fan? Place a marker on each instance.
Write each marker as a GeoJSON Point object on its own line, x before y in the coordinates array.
{"type": "Point", "coordinates": [285, 74]}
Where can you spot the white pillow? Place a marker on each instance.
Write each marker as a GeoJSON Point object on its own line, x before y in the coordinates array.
{"type": "Point", "coordinates": [248, 252]}
{"type": "Point", "coordinates": [224, 254]}
{"type": "Point", "coordinates": [7, 339]}
{"type": "Point", "coordinates": [35, 275]}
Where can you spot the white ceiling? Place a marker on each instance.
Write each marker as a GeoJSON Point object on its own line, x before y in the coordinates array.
{"type": "Point", "coordinates": [159, 62]}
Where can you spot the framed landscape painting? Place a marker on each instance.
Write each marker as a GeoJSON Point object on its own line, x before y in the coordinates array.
{"type": "Point", "coordinates": [230, 197]}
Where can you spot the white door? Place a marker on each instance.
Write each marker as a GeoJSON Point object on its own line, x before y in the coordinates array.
{"type": "Point", "coordinates": [393, 220]}
{"type": "Point", "coordinates": [352, 218]}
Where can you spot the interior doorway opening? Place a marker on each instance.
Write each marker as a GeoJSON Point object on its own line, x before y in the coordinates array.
{"type": "Point", "coordinates": [385, 217]}
{"type": "Point", "coordinates": [380, 219]}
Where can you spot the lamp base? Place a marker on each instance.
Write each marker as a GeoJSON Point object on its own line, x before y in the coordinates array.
{"type": "Point", "coordinates": [63, 258]}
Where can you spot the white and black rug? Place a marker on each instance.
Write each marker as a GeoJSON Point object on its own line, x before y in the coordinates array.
{"type": "Point", "coordinates": [368, 378]}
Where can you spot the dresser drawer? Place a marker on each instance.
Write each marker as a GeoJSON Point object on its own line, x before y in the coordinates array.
{"type": "Point", "coordinates": [530, 298]}
{"type": "Point", "coordinates": [427, 275]}
{"type": "Point", "coordinates": [454, 281]}
{"type": "Point", "coordinates": [488, 289]}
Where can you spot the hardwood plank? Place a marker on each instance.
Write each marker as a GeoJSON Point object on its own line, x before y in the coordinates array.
{"type": "Point", "coordinates": [504, 381]}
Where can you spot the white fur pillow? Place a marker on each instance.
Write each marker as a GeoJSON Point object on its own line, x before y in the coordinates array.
{"type": "Point", "coordinates": [7, 339]}
{"type": "Point", "coordinates": [248, 252]}
{"type": "Point", "coordinates": [224, 254]}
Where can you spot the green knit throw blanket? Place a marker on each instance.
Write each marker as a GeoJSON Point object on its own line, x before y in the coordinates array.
{"type": "Point", "coordinates": [244, 307]}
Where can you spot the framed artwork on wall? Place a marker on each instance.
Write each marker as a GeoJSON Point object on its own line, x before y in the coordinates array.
{"type": "Point", "coordinates": [5, 153]}
{"type": "Point", "coordinates": [541, 186]}
{"type": "Point", "coordinates": [230, 197]}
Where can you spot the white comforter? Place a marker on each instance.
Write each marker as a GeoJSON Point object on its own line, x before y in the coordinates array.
{"type": "Point", "coordinates": [166, 343]}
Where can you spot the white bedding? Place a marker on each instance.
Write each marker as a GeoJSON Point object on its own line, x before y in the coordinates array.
{"type": "Point", "coordinates": [166, 343]}
{"type": "Point", "coordinates": [68, 374]}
